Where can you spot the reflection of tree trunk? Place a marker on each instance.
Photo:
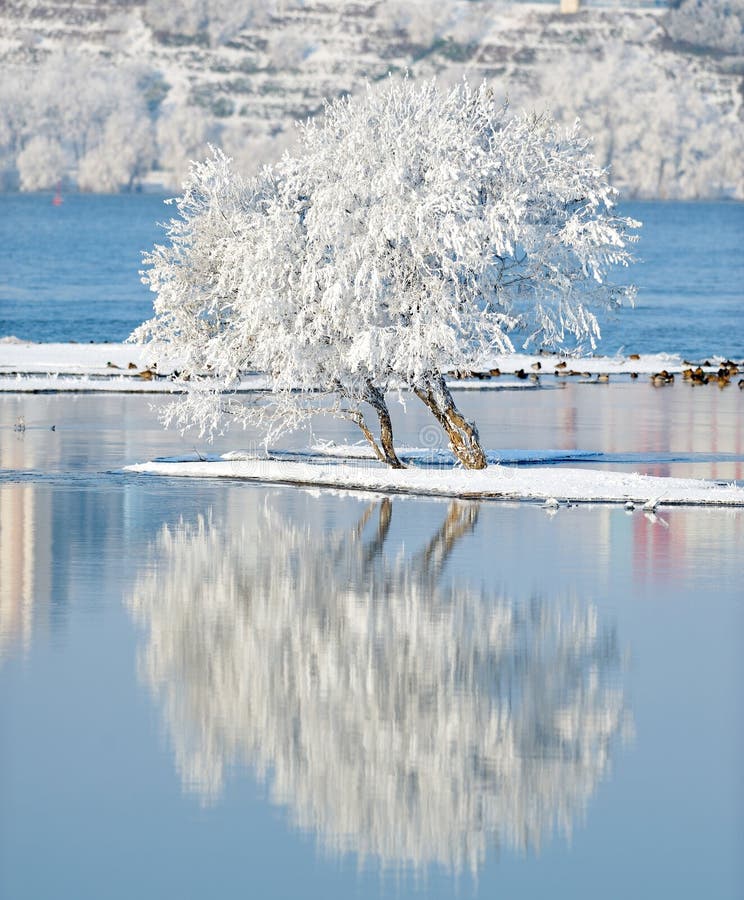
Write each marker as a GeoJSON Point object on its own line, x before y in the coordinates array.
{"type": "Point", "coordinates": [359, 527]}
{"type": "Point", "coordinates": [461, 520]}
{"type": "Point", "coordinates": [463, 435]}
{"type": "Point", "coordinates": [374, 548]}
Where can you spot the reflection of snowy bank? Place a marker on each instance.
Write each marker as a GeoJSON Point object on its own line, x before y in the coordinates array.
{"type": "Point", "coordinates": [399, 716]}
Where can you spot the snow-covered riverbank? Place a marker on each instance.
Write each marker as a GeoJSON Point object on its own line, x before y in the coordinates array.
{"type": "Point", "coordinates": [554, 485]}
{"type": "Point", "coordinates": [125, 368]}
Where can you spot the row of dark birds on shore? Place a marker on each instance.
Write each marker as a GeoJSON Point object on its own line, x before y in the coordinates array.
{"type": "Point", "coordinates": [694, 376]}
{"type": "Point", "coordinates": [146, 374]}
{"type": "Point", "coordinates": [697, 375]}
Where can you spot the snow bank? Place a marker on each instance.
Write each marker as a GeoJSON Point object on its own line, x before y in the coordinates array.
{"type": "Point", "coordinates": [70, 359]}
{"type": "Point", "coordinates": [496, 482]}
{"type": "Point", "coordinates": [85, 384]}
{"type": "Point", "coordinates": [118, 383]}
{"type": "Point", "coordinates": [28, 367]}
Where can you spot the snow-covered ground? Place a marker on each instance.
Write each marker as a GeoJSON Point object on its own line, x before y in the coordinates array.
{"type": "Point", "coordinates": [29, 367]}
{"type": "Point", "coordinates": [554, 485]}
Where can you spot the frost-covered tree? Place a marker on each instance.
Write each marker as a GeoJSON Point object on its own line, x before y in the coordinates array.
{"type": "Point", "coordinates": [674, 140]}
{"type": "Point", "coordinates": [718, 24]}
{"type": "Point", "coordinates": [75, 116]}
{"type": "Point", "coordinates": [411, 232]}
{"type": "Point", "coordinates": [73, 96]}
{"type": "Point", "coordinates": [422, 21]}
{"type": "Point", "coordinates": [124, 154]}
{"type": "Point", "coordinates": [41, 164]}
{"type": "Point", "coordinates": [395, 712]}
{"type": "Point", "coordinates": [14, 108]}
{"type": "Point", "coordinates": [183, 134]}
{"type": "Point", "coordinates": [219, 20]}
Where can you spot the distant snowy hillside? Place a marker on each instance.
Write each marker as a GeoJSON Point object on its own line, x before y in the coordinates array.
{"type": "Point", "coordinates": [114, 94]}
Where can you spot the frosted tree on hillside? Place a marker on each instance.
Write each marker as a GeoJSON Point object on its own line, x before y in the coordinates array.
{"type": "Point", "coordinates": [77, 117]}
{"type": "Point", "coordinates": [183, 134]}
{"type": "Point", "coordinates": [718, 24]}
{"type": "Point", "coordinates": [411, 232]}
{"type": "Point", "coordinates": [41, 164]}
{"type": "Point", "coordinates": [674, 140]}
{"type": "Point", "coordinates": [125, 153]}
{"type": "Point", "coordinates": [422, 21]}
{"type": "Point", "coordinates": [219, 20]}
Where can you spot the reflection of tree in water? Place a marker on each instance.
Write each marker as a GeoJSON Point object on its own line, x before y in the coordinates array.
{"type": "Point", "coordinates": [400, 717]}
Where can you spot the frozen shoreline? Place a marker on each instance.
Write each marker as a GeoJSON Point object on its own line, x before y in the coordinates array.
{"type": "Point", "coordinates": [554, 485]}
{"type": "Point", "coordinates": [123, 368]}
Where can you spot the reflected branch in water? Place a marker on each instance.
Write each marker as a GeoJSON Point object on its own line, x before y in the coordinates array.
{"type": "Point", "coordinates": [401, 717]}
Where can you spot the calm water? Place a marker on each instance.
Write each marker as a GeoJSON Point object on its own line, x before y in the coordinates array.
{"type": "Point", "coordinates": [218, 689]}
{"type": "Point", "coordinates": [71, 273]}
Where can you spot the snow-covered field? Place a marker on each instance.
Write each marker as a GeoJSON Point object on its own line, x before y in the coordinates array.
{"type": "Point", "coordinates": [125, 368]}
{"type": "Point", "coordinates": [554, 485]}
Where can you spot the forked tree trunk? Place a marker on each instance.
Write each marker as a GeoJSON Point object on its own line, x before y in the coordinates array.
{"type": "Point", "coordinates": [463, 435]}
{"type": "Point", "coordinates": [384, 450]}
{"type": "Point", "coordinates": [376, 400]}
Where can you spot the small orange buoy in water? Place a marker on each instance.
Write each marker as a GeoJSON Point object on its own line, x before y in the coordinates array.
{"type": "Point", "coordinates": [57, 199]}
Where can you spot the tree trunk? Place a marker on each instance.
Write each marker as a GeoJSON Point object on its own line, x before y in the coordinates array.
{"type": "Point", "coordinates": [357, 417]}
{"type": "Point", "coordinates": [463, 435]}
{"type": "Point", "coordinates": [376, 400]}
{"type": "Point", "coordinates": [384, 450]}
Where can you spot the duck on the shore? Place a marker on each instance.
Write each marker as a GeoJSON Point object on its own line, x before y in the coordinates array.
{"type": "Point", "coordinates": [661, 378]}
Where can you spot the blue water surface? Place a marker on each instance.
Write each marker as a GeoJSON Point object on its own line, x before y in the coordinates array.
{"type": "Point", "coordinates": [228, 690]}
{"type": "Point", "coordinates": [219, 689]}
{"type": "Point", "coordinates": [71, 273]}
